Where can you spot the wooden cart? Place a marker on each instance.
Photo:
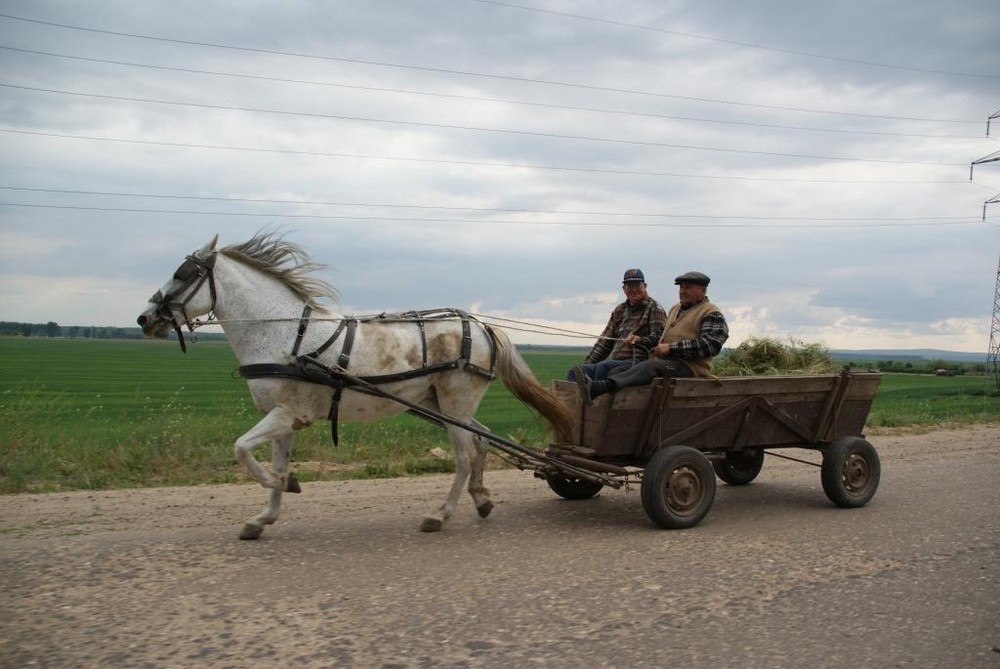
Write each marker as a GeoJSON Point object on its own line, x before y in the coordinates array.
{"type": "Point", "coordinates": [675, 436]}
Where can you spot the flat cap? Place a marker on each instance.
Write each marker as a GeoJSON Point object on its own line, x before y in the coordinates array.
{"type": "Point", "coordinates": [693, 277]}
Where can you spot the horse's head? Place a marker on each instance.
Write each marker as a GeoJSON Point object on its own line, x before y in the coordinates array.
{"type": "Point", "coordinates": [189, 293]}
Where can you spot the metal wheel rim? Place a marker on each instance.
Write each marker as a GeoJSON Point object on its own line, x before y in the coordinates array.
{"type": "Point", "coordinates": [856, 473]}
{"type": "Point", "coordinates": [684, 490]}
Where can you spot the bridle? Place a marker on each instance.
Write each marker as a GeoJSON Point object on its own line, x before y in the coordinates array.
{"type": "Point", "coordinates": [193, 273]}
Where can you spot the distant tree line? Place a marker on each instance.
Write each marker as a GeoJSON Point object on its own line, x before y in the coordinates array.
{"type": "Point", "coordinates": [921, 366]}
{"type": "Point", "coordinates": [53, 329]}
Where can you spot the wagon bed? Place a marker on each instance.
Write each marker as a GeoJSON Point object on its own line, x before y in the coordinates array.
{"type": "Point", "coordinates": [675, 435]}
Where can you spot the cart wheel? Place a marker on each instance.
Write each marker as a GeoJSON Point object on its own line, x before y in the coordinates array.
{"type": "Point", "coordinates": [850, 472]}
{"type": "Point", "coordinates": [739, 467]}
{"type": "Point", "coordinates": [678, 487]}
{"type": "Point", "coordinates": [571, 487]}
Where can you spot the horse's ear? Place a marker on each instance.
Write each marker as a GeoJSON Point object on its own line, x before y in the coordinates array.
{"type": "Point", "coordinates": [208, 248]}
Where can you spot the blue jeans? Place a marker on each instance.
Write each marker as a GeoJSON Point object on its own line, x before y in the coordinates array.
{"type": "Point", "coordinates": [601, 370]}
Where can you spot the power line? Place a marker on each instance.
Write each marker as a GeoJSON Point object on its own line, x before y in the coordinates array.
{"type": "Point", "coordinates": [445, 126]}
{"type": "Point", "coordinates": [441, 161]}
{"type": "Point", "coordinates": [467, 73]}
{"type": "Point", "coordinates": [748, 45]}
{"type": "Point", "coordinates": [60, 191]}
{"type": "Point", "coordinates": [544, 105]}
{"type": "Point", "coordinates": [887, 223]}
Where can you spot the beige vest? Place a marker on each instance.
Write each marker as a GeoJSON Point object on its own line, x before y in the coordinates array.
{"type": "Point", "coordinates": [688, 326]}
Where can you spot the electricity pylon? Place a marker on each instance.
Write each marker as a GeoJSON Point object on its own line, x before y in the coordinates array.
{"type": "Point", "coordinates": [993, 357]}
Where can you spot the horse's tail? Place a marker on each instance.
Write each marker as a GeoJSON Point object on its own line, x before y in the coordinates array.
{"type": "Point", "coordinates": [518, 378]}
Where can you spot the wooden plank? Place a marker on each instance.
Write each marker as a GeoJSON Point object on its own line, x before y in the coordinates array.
{"type": "Point", "coordinates": [753, 385]}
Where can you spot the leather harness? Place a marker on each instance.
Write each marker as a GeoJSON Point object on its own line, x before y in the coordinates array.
{"type": "Point", "coordinates": [310, 369]}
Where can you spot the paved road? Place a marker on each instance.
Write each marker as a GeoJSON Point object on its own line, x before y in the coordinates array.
{"type": "Point", "coordinates": [775, 576]}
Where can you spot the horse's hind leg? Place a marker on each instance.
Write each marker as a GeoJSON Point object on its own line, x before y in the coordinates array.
{"type": "Point", "coordinates": [464, 455]}
{"type": "Point", "coordinates": [480, 494]}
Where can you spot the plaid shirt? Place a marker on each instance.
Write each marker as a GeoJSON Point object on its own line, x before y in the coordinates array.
{"type": "Point", "coordinates": [646, 319]}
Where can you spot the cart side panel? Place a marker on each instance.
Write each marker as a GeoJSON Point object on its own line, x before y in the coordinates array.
{"type": "Point", "coordinates": [722, 414]}
{"type": "Point", "coordinates": [614, 425]}
{"type": "Point", "coordinates": [771, 411]}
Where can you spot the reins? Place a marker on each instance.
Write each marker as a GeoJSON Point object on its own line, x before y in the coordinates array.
{"type": "Point", "coordinates": [497, 321]}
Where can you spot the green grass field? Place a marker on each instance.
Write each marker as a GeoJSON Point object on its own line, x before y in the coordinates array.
{"type": "Point", "coordinates": [96, 414]}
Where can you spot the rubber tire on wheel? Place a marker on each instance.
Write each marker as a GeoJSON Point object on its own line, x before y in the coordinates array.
{"type": "Point", "coordinates": [850, 472]}
{"type": "Point", "coordinates": [739, 467]}
{"type": "Point", "coordinates": [678, 487]}
{"type": "Point", "coordinates": [570, 487]}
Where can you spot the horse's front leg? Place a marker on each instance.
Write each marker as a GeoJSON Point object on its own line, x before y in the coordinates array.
{"type": "Point", "coordinates": [276, 427]}
{"type": "Point", "coordinates": [281, 449]}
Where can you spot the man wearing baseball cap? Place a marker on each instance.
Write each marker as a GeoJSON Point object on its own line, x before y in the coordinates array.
{"type": "Point", "coordinates": [694, 334]}
{"type": "Point", "coordinates": [632, 331]}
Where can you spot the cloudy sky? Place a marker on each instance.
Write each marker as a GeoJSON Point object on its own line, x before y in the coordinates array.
{"type": "Point", "coordinates": [514, 158]}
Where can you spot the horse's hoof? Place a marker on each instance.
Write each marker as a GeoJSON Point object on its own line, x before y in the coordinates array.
{"type": "Point", "coordinates": [250, 531]}
{"type": "Point", "coordinates": [431, 525]}
{"type": "Point", "coordinates": [292, 484]}
{"type": "Point", "coordinates": [484, 509]}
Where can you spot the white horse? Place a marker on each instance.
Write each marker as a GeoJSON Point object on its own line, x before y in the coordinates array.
{"type": "Point", "coordinates": [294, 354]}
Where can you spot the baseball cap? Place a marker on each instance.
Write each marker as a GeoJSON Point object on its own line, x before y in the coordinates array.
{"type": "Point", "coordinates": [633, 275]}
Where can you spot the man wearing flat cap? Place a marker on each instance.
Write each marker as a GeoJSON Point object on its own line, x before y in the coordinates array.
{"type": "Point", "coordinates": [694, 334]}
{"type": "Point", "coordinates": [633, 329]}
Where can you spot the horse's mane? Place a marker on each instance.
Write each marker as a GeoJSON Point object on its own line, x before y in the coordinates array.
{"type": "Point", "coordinates": [269, 253]}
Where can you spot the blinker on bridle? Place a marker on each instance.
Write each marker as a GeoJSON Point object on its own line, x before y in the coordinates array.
{"type": "Point", "coordinates": [193, 273]}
